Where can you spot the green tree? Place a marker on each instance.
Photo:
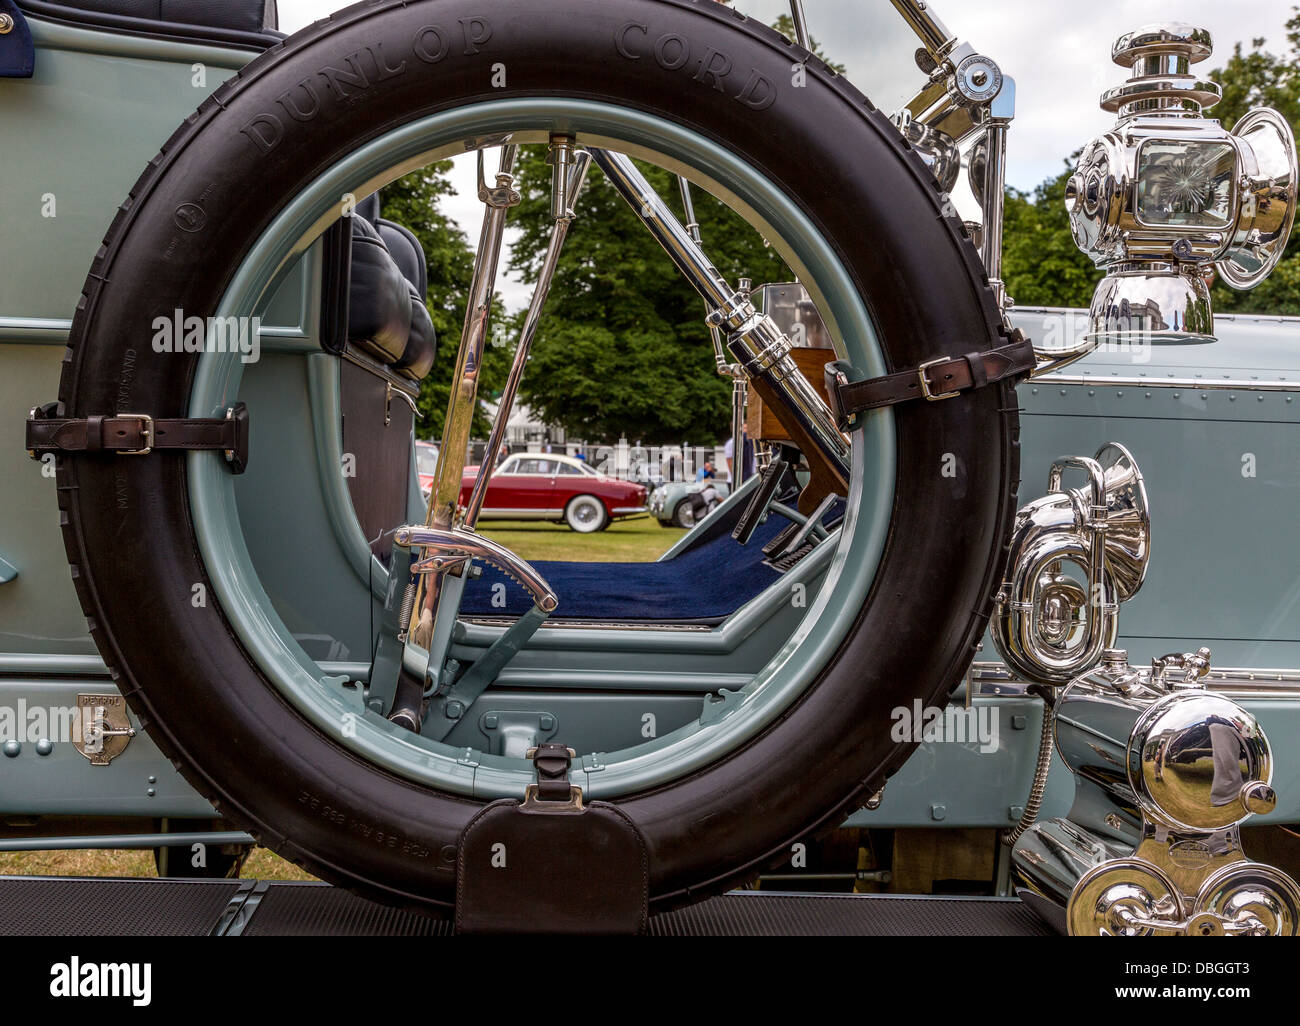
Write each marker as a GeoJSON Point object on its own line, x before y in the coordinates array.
{"type": "Point", "coordinates": [1040, 262]}
{"type": "Point", "coordinates": [1257, 78]}
{"type": "Point", "coordinates": [623, 349]}
{"type": "Point", "coordinates": [413, 201]}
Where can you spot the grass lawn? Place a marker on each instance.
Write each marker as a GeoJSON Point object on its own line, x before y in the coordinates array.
{"type": "Point", "coordinates": [624, 541]}
{"type": "Point", "coordinates": [639, 540]}
{"type": "Point", "coordinates": [261, 865]}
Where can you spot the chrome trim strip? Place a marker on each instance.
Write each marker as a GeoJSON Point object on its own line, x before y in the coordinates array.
{"type": "Point", "coordinates": [995, 678]}
{"type": "Point", "coordinates": [55, 331]}
{"type": "Point", "coordinates": [620, 511]}
{"type": "Point", "coordinates": [1193, 384]}
{"type": "Point", "coordinates": [503, 513]}
{"type": "Point", "coordinates": [593, 625]}
{"type": "Point", "coordinates": [1231, 317]}
{"type": "Point", "coordinates": [38, 330]}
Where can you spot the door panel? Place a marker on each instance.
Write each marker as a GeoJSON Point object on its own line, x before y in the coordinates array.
{"type": "Point", "coordinates": [526, 485]}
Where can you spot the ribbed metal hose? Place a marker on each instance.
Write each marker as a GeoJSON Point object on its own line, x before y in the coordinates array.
{"type": "Point", "coordinates": [1046, 747]}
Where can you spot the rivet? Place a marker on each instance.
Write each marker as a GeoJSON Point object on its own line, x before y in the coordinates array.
{"type": "Point", "coordinates": [1204, 396]}
{"type": "Point", "coordinates": [1119, 395]}
{"type": "Point", "coordinates": [1034, 391]}
{"type": "Point", "coordinates": [1092, 391]}
{"type": "Point", "coordinates": [151, 792]}
{"type": "Point", "coordinates": [12, 748]}
{"type": "Point", "coordinates": [1176, 394]}
{"type": "Point", "coordinates": [1232, 398]}
{"type": "Point", "coordinates": [44, 746]}
{"type": "Point", "coordinates": [1148, 395]}
{"type": "Point", "coordinates": [153, 780]}
{"type": "Point", "coordinates": [938, 812]}
{"type": "Point", "coordinates": [1259, 398]}
{"type": "Point", "coordinates": [1062, 391]}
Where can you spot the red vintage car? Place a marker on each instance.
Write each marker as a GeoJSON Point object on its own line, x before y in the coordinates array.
{"type": "Point", "coordinates": [545, 486]}
{"type": "Point", "coordinates": [426, 465]}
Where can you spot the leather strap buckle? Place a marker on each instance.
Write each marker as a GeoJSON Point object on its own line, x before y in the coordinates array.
{"type": "Point", "coordinates": [930, 396]}
{"type": "Point", "coordinates": [553, 792]}
{"type": "Point", "coordinates": [138, 434]}
{"type": "Point", "coordinates": [146, 432]}
{"type": "Point", "coordinates": [946, 377]}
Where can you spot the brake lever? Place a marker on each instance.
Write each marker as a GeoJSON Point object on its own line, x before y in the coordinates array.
{"type": "Point", "coordinates": [445, 549]}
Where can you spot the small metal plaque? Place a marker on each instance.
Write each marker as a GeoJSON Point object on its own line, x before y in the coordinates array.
{"type": "Point", "coordinates": [103, 730]}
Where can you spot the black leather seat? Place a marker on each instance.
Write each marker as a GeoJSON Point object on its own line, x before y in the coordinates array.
{"type": "Point", "coordinates": [387, 315]}
{"type": "Point", "coordinates": [408, 254]}
{"type": "Point", "coordinates": [230, 15]}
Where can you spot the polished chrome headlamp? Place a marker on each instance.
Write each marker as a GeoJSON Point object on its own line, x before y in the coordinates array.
{"type": "Point", "coordinates": [1168, 196]}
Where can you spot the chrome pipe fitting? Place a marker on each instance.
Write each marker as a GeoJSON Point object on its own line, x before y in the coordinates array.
{"type": "Point", "coordinates": [1166, 771]}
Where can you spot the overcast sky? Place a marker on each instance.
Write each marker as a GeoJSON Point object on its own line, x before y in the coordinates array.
{"type": "Point", "coordinates": [1057, 52]}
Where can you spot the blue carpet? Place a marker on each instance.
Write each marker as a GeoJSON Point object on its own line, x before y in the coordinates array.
{"type": "Point", "coordinates": [709, 581]}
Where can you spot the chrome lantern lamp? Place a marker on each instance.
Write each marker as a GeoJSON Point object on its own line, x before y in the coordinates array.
{"type": "Point", "coordinates": [1169, 196]}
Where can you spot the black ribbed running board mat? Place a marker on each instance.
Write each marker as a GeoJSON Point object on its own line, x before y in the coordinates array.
{"type": "Point", "coordinates": [82, 907]}
{"type": "Point", "coordinates": [32, 906]}
{"type": "Point", "coordinates": [760, 914]}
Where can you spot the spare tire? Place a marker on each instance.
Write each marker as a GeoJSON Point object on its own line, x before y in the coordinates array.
{"type": "Point", "coordinates": [129, 528]}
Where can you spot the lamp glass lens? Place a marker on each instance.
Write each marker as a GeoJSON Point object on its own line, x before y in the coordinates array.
{"type": "Point", "coordinates": [1186, 184]}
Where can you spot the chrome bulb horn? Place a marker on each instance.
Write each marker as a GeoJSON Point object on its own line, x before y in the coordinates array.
{"type": "Point", "coordinates": [1047, 626]}
{"type": "Point", "coordinates": [1169, 195]}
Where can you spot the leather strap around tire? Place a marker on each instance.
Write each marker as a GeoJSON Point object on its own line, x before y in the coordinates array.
{"type": "Point", "coordinates": [933, 380]}
{"type": "Point", "coordinates": [127, 434]}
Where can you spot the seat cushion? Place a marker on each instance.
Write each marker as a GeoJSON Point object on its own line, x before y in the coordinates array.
{"type": "Point", "coordinates": [379, 297]}
{"type": "Point", "coordinates": [392, 329]}
{"type": "Point", "coordinates": [707, 582]}
{"type": "Point", "coordinates": [421, 345]}
{"type": "Point", "coordinates": [407, 251]}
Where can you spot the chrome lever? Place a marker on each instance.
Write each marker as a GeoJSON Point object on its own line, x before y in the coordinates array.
{"type": "Point", "coordinates": [569, 172]}
{"type": "Point", "coordinates": [449, 547]}
{"type": "Point", "coordinates": [444, 496]}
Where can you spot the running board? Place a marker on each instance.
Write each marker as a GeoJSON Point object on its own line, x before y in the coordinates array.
{"type": "Point", "coordinates": [88, 906]}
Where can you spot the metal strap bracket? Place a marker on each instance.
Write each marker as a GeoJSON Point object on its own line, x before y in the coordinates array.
{"type": "Point", "coordinates": [553, 788]}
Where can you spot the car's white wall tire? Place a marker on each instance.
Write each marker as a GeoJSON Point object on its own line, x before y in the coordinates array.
{"type": "Point", "coordinates": [586, 514]}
